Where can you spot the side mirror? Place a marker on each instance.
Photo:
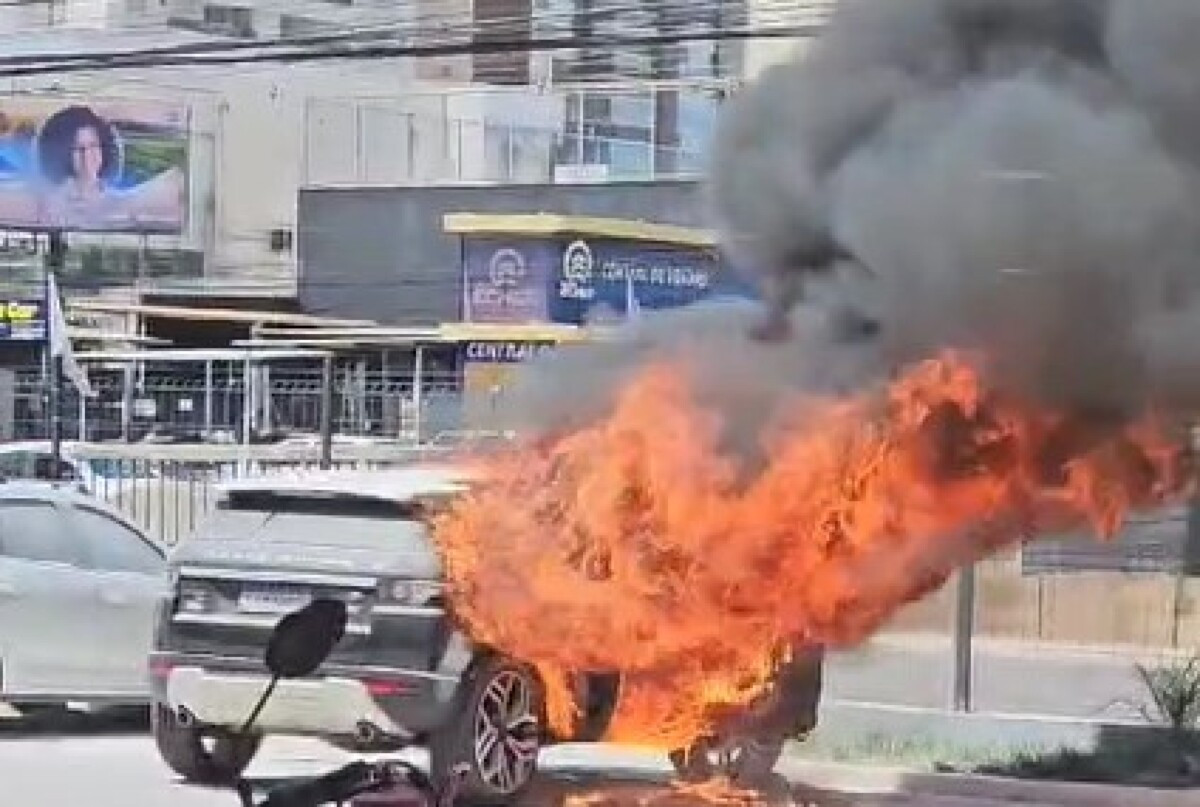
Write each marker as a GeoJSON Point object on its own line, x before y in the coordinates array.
{"type": "Point", "coordinates": [304, 639]}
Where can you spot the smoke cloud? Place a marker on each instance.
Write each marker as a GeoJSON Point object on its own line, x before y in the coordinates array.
{"type": "Point", "coordinates": [1016, 176]}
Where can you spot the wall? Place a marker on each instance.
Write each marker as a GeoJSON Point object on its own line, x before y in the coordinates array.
{"type": "Point", "coordinates": [381, 254]}
{"type": "Point", "coordinates": [431, 136]}
{"type": "Point", "coordinates": [1106, 609]}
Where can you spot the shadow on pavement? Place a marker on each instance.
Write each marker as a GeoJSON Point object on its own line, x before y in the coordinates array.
{"type": "Point", "coordinates": [43, 723]}
{"type": "Point", "coordinates": [617, 788]}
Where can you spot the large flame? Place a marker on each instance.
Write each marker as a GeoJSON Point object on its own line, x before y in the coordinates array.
{"type": "Point", "coordinates": [638, 545]}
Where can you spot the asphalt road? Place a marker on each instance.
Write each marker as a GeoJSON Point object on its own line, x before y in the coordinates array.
{"type": "Point", "coordinates": [86, 769]}
{"type": "Point", "coordinates": [88, 762]}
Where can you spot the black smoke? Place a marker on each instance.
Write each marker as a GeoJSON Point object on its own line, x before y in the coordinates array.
{"type": "Point", "coordinates": [1015, 177]}
{"type": "Point", "coordinates": [1019, 176]}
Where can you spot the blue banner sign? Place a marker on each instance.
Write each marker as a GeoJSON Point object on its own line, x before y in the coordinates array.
{"type": "Point", "coordinates": [505, 282]}
{"type": "Point", "coordinates": [614, 276]}
{"type": "Point", "coordinates": [572, 281]}
{"type": "Point", "coordinates": [22, 320]}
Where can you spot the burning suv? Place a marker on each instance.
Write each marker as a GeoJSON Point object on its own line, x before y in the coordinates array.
{"type": "Point", "coordinates": [402, 673]}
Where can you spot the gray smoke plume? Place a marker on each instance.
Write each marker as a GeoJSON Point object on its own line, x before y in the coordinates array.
{"type": "Point", "coordinates": [1019, 176]}
{"type": "Point", "coordinates": [741, 378]}
{"type": "Point", "coordinates": [1015, 175]}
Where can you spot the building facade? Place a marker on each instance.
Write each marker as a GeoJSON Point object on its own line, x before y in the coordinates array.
{"type": "Point", "coordinates": [259, 134]}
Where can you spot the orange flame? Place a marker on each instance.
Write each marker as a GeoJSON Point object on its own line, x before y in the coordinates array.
{"type": "Point", "coordinates": [638, 545]}
{"type": "Point", "coordinates": [716, 792]}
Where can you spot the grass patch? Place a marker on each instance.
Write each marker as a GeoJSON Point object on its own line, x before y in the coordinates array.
{"type": "Point", "coordinates": [901, 752]}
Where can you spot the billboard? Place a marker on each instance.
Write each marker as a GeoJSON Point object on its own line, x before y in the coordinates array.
{"type": "Point", "coordinates": [107, 166]}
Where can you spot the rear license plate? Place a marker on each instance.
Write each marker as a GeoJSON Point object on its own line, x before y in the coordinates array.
{"type": "Point", "coordinates": [265, 600]}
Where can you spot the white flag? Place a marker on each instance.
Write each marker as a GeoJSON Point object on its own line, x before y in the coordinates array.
{"type": "Point", "coordinates": [633, 308]}
{"type": "Point", "coordinates": [60, 341]}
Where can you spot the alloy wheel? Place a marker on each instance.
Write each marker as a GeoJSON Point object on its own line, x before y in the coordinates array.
{"type": "Point", "coordinates": [507, 732]}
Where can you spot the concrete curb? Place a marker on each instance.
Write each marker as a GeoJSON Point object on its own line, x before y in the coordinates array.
{"type": "Point", "coordinates": [859, 779]}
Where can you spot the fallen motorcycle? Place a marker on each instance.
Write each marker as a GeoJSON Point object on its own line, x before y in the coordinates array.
{"type": "Point", "coordinates": [298, 645]}
{"type": "Point", "coordinates": [746, 747]}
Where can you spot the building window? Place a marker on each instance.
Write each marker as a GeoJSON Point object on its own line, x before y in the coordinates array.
{"type": "Point", "coordinates": [638, 135]}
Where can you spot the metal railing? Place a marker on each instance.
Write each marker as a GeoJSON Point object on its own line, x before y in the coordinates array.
{"type": "Point", "coordinates": [167, 491]}
{"type": "Point", "coordinates": [186, 405]}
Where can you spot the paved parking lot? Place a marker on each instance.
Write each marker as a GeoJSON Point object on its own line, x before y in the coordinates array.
{"type": "Point", "coordinates": [111, 762]}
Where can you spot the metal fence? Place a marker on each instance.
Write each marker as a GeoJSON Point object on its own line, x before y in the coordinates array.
{"type": "Point", "coordinates": [168, 497]}
{"type": "Point", "coordinates": [174, 404]}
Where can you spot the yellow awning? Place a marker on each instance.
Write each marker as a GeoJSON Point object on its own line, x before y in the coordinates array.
{"type": "Point", "coordinates": [546, 225]}
{"type": "Point", "coordinates": [487, 332]}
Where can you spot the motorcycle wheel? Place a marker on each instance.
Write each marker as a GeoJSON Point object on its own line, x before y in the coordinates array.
{"type": "Point", "coordinates": [745, 761]}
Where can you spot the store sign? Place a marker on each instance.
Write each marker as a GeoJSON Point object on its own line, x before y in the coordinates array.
{"type": "Point", "coordinates": [608, 275]}
{"type": "Point", "coordinates": [573, 280]}
{"type": "Point", "coordinates": [504, 352]}
{"type": "Point", "coordinates": [22, 320]}
{"type": "Point", "coordinates": [505, 283]}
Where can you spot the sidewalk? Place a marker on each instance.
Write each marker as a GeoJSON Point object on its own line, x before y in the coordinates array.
{"type": "Point", "coordinates": [977, 791]}
{"type": "Point", "coordinates": [1009, 677]}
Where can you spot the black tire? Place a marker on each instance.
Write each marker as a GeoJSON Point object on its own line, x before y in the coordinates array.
{"type": "Point", "coordinates": [496, 691]}
{"type": "Point", "coordinates": [184, 751]}
{"type": "Point", "coordinates": [746, 762]}
{"type": "Point", "coordinates": [693, 764]}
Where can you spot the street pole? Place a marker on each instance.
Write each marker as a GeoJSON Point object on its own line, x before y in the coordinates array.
{"type": "Point", "coordinates": [418, 396]}
{"type": "Point", "coordinates": [55, 260]}
{"type": "Point", "coordinates": [327, 412]}
{"type": "Point", "coordinates": [964, 630]}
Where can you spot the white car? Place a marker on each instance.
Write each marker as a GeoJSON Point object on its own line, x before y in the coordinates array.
{"type": "Point", "coordinates": [79, 588]}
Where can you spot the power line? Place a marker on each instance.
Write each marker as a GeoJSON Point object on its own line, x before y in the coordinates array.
{"type": "Point", "coordinates": [20, 66]}
{"type": "Point", "coordinates": [631, 19]}
{"type": "Point", "coordinates": [630, 12]}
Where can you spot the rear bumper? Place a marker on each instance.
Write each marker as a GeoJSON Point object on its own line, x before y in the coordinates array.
{"type": "Point", "coordinates": [342, 701]}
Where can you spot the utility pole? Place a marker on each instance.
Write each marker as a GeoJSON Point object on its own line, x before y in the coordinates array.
{"type": "Point", "coordinates": [964, 635]}
{"type": "Point", "coordinates": [55, 260]}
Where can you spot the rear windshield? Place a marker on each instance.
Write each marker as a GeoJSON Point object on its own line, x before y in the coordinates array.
{"type": "Point", "coordinates": [342, 521]}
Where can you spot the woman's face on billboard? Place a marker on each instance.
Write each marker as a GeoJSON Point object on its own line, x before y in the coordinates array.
{"type": "Point", "coordinates": [87, 155]}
